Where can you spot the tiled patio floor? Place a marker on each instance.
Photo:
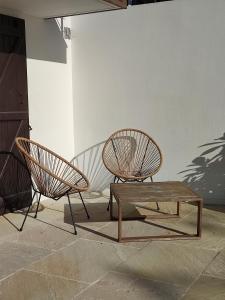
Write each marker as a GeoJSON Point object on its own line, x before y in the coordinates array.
{"type": "Point", "coordinates": [46, 261]}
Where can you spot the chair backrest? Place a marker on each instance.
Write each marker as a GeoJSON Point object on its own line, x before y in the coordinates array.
{"type": "Point", "coordinates": [52, 175]}
{"type": "Point", "coordinates": [131, 154]}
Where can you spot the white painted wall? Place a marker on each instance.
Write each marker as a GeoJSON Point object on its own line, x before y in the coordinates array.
{"type": "Point", "coordinates": [50, 90]}
{"type": "Point", "coordinates": [160, 68]}
{"type": "Point", "coordinates": [49, 84]}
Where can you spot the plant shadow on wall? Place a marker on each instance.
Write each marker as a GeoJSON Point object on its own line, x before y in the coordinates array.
{"type": "Point", "coordinates": [90, 163]}
{"type": "Point", "coordinates": [206, 173]}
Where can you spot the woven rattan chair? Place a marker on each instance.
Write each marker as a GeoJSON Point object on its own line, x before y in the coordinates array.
{"type": "Point", "coordinates": [52, 176]}
{"type": "Point", "coordinates": [131, 155]}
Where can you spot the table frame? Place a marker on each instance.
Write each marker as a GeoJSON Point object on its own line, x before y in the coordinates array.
{"type": "Point", "coordinates": [198, 201]}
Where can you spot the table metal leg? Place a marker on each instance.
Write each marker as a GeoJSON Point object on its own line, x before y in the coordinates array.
{"type": "Point", "coordinates": [111, 205]}
{"type": "Point", "coordinates": [178, 208]}
{"type": "Point", "coordinates": [199, 219]}
{"type": "Point", "coordinates": [119, 222]}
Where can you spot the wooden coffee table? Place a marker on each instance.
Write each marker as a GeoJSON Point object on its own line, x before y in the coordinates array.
{"type": "Point", "coordinates": [172, 191]}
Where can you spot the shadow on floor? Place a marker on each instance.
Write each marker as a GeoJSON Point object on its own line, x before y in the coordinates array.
{"type": "Point", "coordinates": [98, 212]}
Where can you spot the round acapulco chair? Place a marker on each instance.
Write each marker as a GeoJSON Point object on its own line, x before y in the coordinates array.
{"type": "Point", "coordinates": [52, 176]}
{"type": "Point", "coordinates": [131, 155]}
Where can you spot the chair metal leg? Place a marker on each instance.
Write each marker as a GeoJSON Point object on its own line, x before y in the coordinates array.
{"type": "Point", "coordinates": [108, 206]}
{"type": "Point", "coordinates": [21, 228]}
{"type": "Point", "coordinates": [157, 204]}
{"type": "Point", "coordinates": [75, 231]}
{"type": "Point", "coordinates": [35, 216]}
{"type": "Point", "coordinates": [84, 206]}
{"type": "Point", "coordinates": [24, 220]}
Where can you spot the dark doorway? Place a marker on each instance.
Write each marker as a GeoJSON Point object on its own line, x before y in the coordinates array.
{"type": "Point", "coordinates": [15, 186]}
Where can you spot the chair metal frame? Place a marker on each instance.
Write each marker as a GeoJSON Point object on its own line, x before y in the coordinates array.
{"type": "Point", "coordinates": [135, 151]}
{"type": "Point", "coordinates": [52, 176]}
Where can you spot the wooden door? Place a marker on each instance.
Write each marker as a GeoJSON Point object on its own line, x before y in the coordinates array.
{"type": "Point", "coordinates": [15, 186]}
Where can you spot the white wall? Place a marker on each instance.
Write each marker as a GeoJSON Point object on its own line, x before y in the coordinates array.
{"type": "Point", "coordinates": [49, 84]}
{"type": "Point", "coordinates": [50, 96]}
{"type": "Point", "coordinates": [157, 67]}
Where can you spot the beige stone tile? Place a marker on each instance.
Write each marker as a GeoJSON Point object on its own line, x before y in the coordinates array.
{"type": "Point", "coordinates": [89, 198]}
{"type": "Point", "coordinates": [14, 256]}
{"type": "Point", "coordinates": [51, 237]}
{"type": "Point", "coordinates": [93, 196]}
{"type": "Point", "coordinates": [6, 229]}
{"type": "Point", "coordinates": [109, 233]}
{"type": "Point", "coordinates": [120, 286]}
{"type": "Point", "coordinates": [212, 232]}
{"type": "Point", "coordinates": [207, 288]}
{"type": "Point", "coordinates": [166, 207]}
{"type": "Point", "coordinates": [148, 209]}
{"type": "Point", "coordinates": [62, 219]}
{"type": "Point", "coordinates": [168, 262]}
{"type": "Point", "coordinates": [85, 260]}
{"type": "Point", "coordinates": [99, 216]}
{"type": "Point", "coordinates": [214, 214]}
{"type": "Point", "coordinates": [49, 214]}
{"type": "Point", "coordinates": [11, 222]}
{"type": "Point", "coordinates": [27, 285]}
{"type": "Point", "coordinates": [217, 266]}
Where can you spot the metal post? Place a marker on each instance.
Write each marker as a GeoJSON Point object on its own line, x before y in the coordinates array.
{"type": "Point", "coordinates": [119, 221]}
{"type": "Point", "coordinates": [35, 216]}
{"type": "Point", "coordinates": [178, 208]}
{"type": "Point", "coordinates": [111, 204]}
{"type": "Point", "coordinates": [84, 206]}
{"type": "Point", "coordinates": [21, 228]}
{"type": "Point", "coordinates": [199, 219]}
{"type": "Point", "coordinates": [75, 231]}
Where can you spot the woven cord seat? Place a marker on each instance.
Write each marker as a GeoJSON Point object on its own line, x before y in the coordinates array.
{"type": "Point", "coordinates": [131, 155]}
{"type": "Point", "coordinates": [52, 176]}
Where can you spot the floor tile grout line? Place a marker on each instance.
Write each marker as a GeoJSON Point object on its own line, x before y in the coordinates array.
{"type": "Point", "coordinates": [96, 229]}
{"type": "Point", "coordinates": [149, 279]}
{"type": "Point", "coordinates": [166, 282]}
{"type": "Point", "coordinates": [217, 251]}
{"type": "Point", "coordinates": [55, 252]}
{"type": "Point", "coordinates": [214, 276]}
{"type": "Point", "coordinates": [197, 247]}
{"type": "Point", "coordinates": [50, 254]}
{"type": "Point", "coordinates": [91, 284]}
{"type": "Point", "coordinates": [11, 274]}
{"type": "Point", "coordinates": [26, 243]}
{"type": "Point", "coordinates": [112, 243]}
{"type": "Point", "coordinates": [46, 274]}
{"type": "Point", "coordinates": [57, 276]}
{"type": "Point", "coordinates": [197, 278]}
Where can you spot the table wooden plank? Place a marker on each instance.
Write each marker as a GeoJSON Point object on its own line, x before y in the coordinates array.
{"type": "Point", "coordinates": [173, 191]}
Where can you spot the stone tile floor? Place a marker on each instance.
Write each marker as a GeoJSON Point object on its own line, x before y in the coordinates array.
{"type": "Point", "coordinates": [46, 261]}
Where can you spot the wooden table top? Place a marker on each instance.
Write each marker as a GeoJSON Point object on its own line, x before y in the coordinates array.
{"type": "Point", "coordinates": [168, 191]}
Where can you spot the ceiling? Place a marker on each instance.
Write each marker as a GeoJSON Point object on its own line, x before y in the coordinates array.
{"type": "Point", "coordinates": [59, 8]}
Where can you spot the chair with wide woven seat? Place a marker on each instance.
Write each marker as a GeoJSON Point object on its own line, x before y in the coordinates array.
{"type": "Point", "coordinates": [131, 155]}
{"type": "Point", "coordinates": [52, 176]}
